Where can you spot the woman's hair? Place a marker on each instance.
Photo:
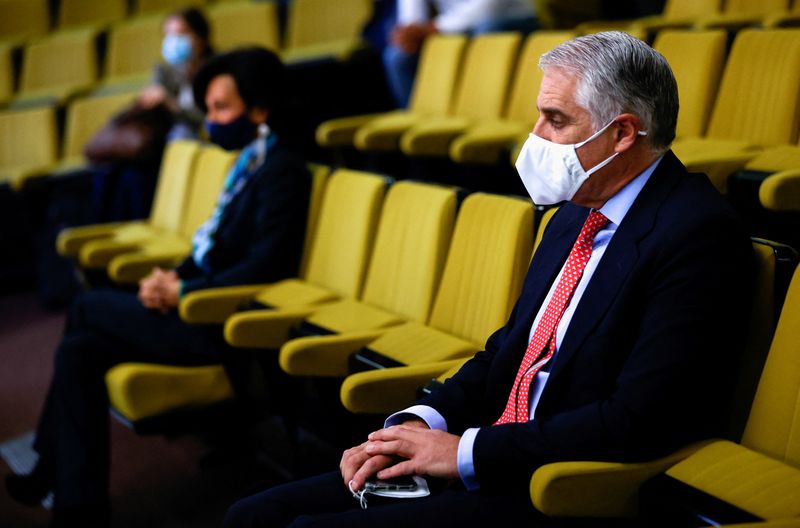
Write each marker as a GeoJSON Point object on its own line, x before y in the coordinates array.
{"type": "Point", "coordinates": [260, 78]}
{"type": "Point", "coordinates": [198, 25]}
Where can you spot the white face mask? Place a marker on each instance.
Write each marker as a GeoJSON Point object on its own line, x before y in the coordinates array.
{"type": "Point", "coordinates": [552, 172]}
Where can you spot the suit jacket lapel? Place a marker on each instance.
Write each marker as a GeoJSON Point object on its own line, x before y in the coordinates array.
{"type": "Point", "coordinates": [618, 261]}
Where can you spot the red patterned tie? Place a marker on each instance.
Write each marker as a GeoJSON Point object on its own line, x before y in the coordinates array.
{"type": "Point", "coordinates": [544, 337]}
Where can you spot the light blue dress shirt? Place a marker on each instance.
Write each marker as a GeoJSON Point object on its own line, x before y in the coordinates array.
{"type": "Point", "coordinates": [615, 210]}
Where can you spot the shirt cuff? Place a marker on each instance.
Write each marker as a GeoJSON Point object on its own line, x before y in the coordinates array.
{"type": "Point", "coordinates": [427, 414]}
{"type": "Point", "coordinates": [466, 468]}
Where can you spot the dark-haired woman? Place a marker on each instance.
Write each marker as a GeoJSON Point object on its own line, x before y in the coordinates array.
{"type": "Point", "coordinates": [255, 234]}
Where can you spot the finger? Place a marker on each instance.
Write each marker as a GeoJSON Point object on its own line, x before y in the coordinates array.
{"type": "Point", "coordinates": [393, 447]}
{"type": "Point", "coordinates": [397, 470]}
{"type": "Point", "coordinates": [396, 432]}
{"type": "Point", "coordinates": [369, 468]}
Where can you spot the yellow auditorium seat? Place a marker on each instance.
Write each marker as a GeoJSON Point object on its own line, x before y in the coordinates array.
{"type": "Point", "coordinates": [149, 7]}
{"type": "Point", "coordinates": [696, 59]}
{"type": "Point", "coordinates": [437, 74]}
{"type": "Point", "coordinates": [245, 23]}
{"type": "Point", "coordinates": [482, 276]}
{"type": "Point", "coordinates": [84, 118]}
{"type": "Point", "coordinates": [134, 47]}
{"type": "Point", "coordinates": [679, 14]}
{"type": "Point", "coordinates": [141, 391]}
{"type": "Point", "coordinates": [58, 67]}
{"type": "Point", "coordinates": [391, 389]}
{"type": "Point", "coordinates": [737, 14]}
{"type": "Point", "coordinates": [6, 73]}
{"type": "Point", "coordinates": [94, 13]}
{"type": "Point", "coordinates": [28, 144]}
{"type": "Point", "coordinates": [177, 168]}
{"type": "Point", "coordinates": [335, 266]}
{"type": "Point", "coordinates": [318, 29]}
{"type": "Point", "coordinates": [781, 191]}
{"type": "Point", "coordinates": [168, 249]}
{"type": "Point", "coordinates": [756, 106]}
{"type": "Point", "coordinates": [410, 246]}
{"type": "Point", "coordinates": [481, 95]}
{"type": "Point", "coordinates": [611, 489]}
{"type": "Point", "coordinates": [761, 474]}
{"type": "Point", "coordinates": [484, 141]}
{"type": "Point", "coordinates": [21, 20]}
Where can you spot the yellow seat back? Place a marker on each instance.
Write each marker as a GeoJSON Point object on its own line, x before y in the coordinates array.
{"type": "Point", "coordinates": [748, 7]}
{"type": "Point", "coordinates": [319, 182]}
{"type": "Point", "coordinates": [64, 59]}
{"type": "Point", "coordinates": [6, 72]}
{"type": "Point", "coordinates": [483, 87]}
{"type": "Point", "coordinates": [522, 100]}
{"type": "Point", "coordinates": [773, 427]}
{"type": "Point", "coordinates": [134, 47]}
{"type": "Point", "coordinates": [23, 18]}
{"type": "Point", "coordinates": [86, 116]}
{"type": "Point", "coordinates": [410, 246]}
{"type": "Point", "coordinates": [28, 137]}
{"type": "Point", "coordinates": [485, 266]}
{"type": "Point", "coordinates": [345, 230]}
{"type": "Point", "coordinates": [210, 171]}
{"type": "Point", "coordinates": [317, 21]}
{"type": "Point", "coordinates": [758, 96]}
{"type": "Point", "coordinates": [237, 24]}
{"type": "Point", "coordinates": [75, 13]}
{"type": "Point", "coordinates": [696, 58]}
{"type": "Point", "coordinates": [682, 9]}
{"type": "Point", "coordinates": [147, 7]}
{"type": "Point", "coordinates": [437, 73]}
{"type": "Point", "coordinates": [172, 189]}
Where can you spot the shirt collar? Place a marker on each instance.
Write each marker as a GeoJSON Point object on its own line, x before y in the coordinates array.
{"type": "Point", "coordinates": [618, 205]}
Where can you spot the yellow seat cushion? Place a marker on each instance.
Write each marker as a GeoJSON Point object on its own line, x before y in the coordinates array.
{"type": "Point", "coordinates": [350, 315]}
{"type": "Point", "coordinates": [383, 133]}
{"type": "Point", "coordinates": [143, 390]}
{"type": "Point", "coordinates": [774, 159]}
{"type": "Point", "coordinates": [432, 136]}
{"type": "Point", "coordinates": [412, 343]}
{"type": "Point", "coordinates": [718, 158]}
{"type": "Point", "coordinates": [753, 482]}
{"type": "Point", "coordinates": [293, 292]}
{"type": "Point", "coordinates": [484, 141]}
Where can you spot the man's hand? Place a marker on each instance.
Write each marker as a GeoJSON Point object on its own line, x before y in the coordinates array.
{"type": "Point", "coordinates": [357, 465]}
{"type": "Point", "coordinates": [160, 290]}
{"type": "Point", "coordinates": [152, 96]}
{"type": "Point", "coordinates": [149, 293]}
{"type": "Point", "coordinates": [428, 452]}
{"type": "Point", "coordinates": [170, 290]}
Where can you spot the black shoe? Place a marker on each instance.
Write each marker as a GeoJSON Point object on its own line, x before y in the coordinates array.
{"type": "Point", "coordinates": [30, 489]}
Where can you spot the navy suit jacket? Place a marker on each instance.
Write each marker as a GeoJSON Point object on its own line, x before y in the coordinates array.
{"type": "Point", "coordinates": [261, 233]}
{"type": "Point", "coordinates": [645, 365]}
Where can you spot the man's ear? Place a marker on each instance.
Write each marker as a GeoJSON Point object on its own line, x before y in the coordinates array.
{"type": "Point", "coordinates": [258, 115]}
{"type": "Point", "coordinates": [628, 127]}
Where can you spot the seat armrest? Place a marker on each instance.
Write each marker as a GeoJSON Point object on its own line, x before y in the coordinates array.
{"type": "Point", "coordinates": [131, 267]}
{"type": "Point", "coordinates": [597, 489]}
{"type": "Point", "coordinates": [264, 328]}
{"type": "Point", "coordinates": [323, 355]}
{"type": "Point", "coordinates": [386, 390]}
{"type": "Point", "coordinates": [781, 191]}
{"type": "Point", "coordinates": [71, 239]}
{"type": "Point", "coordinates": [341, 132]}
{"type": "Point", "coordinates": [99, 253]}
{"type": "Point", "coordinates": [215, 305]}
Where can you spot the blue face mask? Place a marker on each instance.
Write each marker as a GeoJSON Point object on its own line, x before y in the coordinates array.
{"type": "Point", "coordinates": [234, 135]}
{"type": "Point", "coordinates": [177, 49]}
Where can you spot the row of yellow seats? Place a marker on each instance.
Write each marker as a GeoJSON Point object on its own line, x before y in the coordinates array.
{"type": "Point", "coordinates": [65, 63]}
{"type": "Point", "coordinates": [730, 110]}
{"type": "Point", "coordinates": [32, 145]}
{"type": "Point", "coordinates": [709, 14]}
{"type": "Point", "coordinates": [403, 275]}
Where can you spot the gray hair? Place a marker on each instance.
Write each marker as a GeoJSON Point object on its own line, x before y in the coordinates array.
{"type": "Point", "coordinates": [617, 74]}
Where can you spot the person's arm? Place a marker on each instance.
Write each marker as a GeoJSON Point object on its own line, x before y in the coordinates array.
{"type": "Point", "coordinates": [280, 215]}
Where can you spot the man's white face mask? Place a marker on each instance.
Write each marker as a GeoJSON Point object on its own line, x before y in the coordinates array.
{"type": "Point", "coordinates": [552, 172]}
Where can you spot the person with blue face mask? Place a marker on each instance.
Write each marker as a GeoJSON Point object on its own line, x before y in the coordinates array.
{"type": "Point", "coordinates": [185, 46]}
{"type": "Point", "coordinates": [255, 235]}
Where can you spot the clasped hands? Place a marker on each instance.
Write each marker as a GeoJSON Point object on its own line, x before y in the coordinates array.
{"type": "Point", "coordinates": [160, 290]}
{"type": "Point", "coordinates": [408, 449]}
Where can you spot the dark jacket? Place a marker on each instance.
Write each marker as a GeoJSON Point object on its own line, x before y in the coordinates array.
{"type": "Point", "coordinates": [645, 365]}
{"type": "Point", "coordinates": [260, 236]}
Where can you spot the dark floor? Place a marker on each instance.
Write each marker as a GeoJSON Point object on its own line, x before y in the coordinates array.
{"type": "Point", "coordinates": [155, 481]}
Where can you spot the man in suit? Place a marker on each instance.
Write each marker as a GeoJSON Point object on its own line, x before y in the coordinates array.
{"type": "Point", "coordinates": [255, 234]}
{"type": "Point", "coordinates": [622, 342]}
